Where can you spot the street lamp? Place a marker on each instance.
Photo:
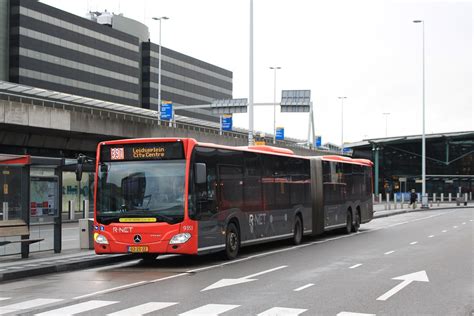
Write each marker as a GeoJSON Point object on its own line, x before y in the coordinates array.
{"type": "Point", "coordinates": [386, 114]}
{"type": "Point", "coordinates": [274, 100]}
{"type": "Point", "coordinates": [424, 198]}
{"type": "Point", "coordinates": [342, 122]}
{"type": "Point", "coordinates": [159, 63]}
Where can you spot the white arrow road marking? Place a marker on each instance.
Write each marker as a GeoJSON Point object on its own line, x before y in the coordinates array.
{"type": "Point", "coordinates": [282, 311]}
{"type": "Point", "coordinates": [245, 279]}
{"type": "Point", "coordinates": [353, 314]}
{"type": "Point", "coordinates": [210, 310]}
{"type": "Point", "coordinates": [407, 279]}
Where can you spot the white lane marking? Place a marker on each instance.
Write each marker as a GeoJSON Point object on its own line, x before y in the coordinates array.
{"type": "Point", "coordinates": [143, 309]}
{"type": "Point", "coordinates": [354, 314]}
{"type": "Point", "coordinates": [27, 305]}
{"type": "Point", "coordinates": [301, 288]}
{"type": "Point", "coordinates": [464, 223]}
{"type": "Point", "coordinates": [122, 287]}
{"type": "Point", "coordinates": [470, 220]}
{"type": "Point", "coordinates": [430, 236]}
{"type": "Point", "coordinates": [355, 266]}
{"type": "Point", "coordinates": [389, 252]}
{"type": "Point", "coordinates": [264, 272]}
{"type": "Point", "coordinates": [413, 243]}
{"type": "Point", "coordinates": [407, 279]}
{"type": "Point", "coordinates": [444, 231]}
{"type": "Point", "coordinates": [77, 308]}
{"type": "Point", "coordinates": [169, 277]}
{"type": "Point", "coordinates": [455, 227]}
{"type": "Point", "coordinates": [210, 309]}
{"type": "Point", "coordinates": [245, 279]}
{"type": "Point", "coordinates": [282, 311]}
{"type": "Point", "coordinates": [4, 298]}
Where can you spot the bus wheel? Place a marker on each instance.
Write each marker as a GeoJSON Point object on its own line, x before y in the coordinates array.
{"type": "Point", "coordinates": [348, 228]}
{"type": "Point", "coordinates": [356, 225]}
{"type": "Point", "coordinates": [232, 242]}
{"type": "Point", "coordinates": [297, 231]}
{"type": "Point", "coordinates": [149, 257]}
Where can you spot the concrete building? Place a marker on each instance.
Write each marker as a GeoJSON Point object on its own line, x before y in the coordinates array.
{"type": "Point", "coordinates": [106, 57]}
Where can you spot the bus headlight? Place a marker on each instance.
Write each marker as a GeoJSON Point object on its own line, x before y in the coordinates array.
{"type": "Point", "coordinates": [100, 239]}
{"type": "Point", "coordinates": [180, 238]}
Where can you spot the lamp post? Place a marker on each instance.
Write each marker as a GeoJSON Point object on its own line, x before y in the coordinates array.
{"type": "Point", "coordinates": [159, 63]}
{"type": "Point", "coordinates": [424, 198]}
{"type": "Point", "coordinates": [342, 122]}
{"type": "Point", "coordinates": [386, 114]}
{"type": "Point", "coordinates": [250, 107]}
{"type": "Point", "coordinates": [274, 100]}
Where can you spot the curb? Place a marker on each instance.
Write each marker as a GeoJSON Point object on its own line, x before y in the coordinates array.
{"type": "Point", "coordinates": [63, 267]}
{"type": "Point", "coordinates": [418, 210]}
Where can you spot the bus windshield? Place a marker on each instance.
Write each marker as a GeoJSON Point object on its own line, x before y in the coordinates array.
{"type": "Point", "coordinates": [141, 189]}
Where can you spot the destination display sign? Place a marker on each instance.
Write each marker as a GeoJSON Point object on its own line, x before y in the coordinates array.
{"type": "Point", "coordinates": [142, 151]}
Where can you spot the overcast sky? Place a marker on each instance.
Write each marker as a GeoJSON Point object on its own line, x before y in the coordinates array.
{"type": "Point", "coordinates": [366, 50]}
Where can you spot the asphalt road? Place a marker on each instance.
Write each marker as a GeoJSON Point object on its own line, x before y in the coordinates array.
{"type": "Point", "coordinates": [410, 264]}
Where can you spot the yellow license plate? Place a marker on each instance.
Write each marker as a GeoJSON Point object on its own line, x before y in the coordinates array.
{"type": "Point", "coordinates": [138, 249]}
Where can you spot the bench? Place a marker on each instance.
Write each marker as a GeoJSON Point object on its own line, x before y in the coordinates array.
{"type": "Point", "coordinates": [16, 227]}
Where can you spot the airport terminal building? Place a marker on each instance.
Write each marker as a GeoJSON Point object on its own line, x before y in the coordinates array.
{"type": "Point", "coordinates": [449, 162]}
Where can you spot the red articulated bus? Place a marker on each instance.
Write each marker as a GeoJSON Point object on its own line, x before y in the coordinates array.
{"type": "Point", "coordinates": [172, 195]}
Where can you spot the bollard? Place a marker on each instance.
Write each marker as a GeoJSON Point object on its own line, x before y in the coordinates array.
{"type": "Point", "coordinates": [380, 197]}
{"type": "Point", "coordinates": [465, 199]}
{"type": "Point", "coordinates": [5, 211]}
{"type": "Point", "coordinates": [442, 197]}
{"type": "Point", "coordinates": [458, 195]}
{"type": "Point", "coordinates": [434, 200]}
{"type": "Point", "coordinates": [373, 198]}
{"type": "Point", "coordinates": [470, 196]}
{"type": "Point", "coordinates": [387, 196]}
{"type": "Point", "coordinates": [450, 197]}
{"type": "Point", "coordinates": [70, 205]}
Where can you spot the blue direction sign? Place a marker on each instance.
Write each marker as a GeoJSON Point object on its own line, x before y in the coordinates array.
{"type": "Point", "coordinates": [318, 142]}
{"type": "Point", "coordinates": [280, 133]}
{"type": "Point", "coordinates": [166, 111]}
{"type": "Point", "coordinates": [227, 122]}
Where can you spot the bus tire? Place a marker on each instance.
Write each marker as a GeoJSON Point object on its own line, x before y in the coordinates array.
{"type": "Point", "coordinates": [348, 228]}
{"type": "Point", "coordinates": [356, 225]}
{"type": "Point", "coordinates": [297, 231]}
{"type": "Point", "coordinates": [232, 241]}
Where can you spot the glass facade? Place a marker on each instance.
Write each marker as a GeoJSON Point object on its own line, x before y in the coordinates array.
{"type": "Point", "coordinates": [449, 163]}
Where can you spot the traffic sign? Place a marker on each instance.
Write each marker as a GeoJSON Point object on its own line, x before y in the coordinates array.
{"type": "Point", "coordinates": [227, 122]}
{"type": "Point", "coordinates": [166, 113]}
{"type": "Point", "coordinates": [280, 133]}
{"type": "Point", "coordinates": [318, 141]}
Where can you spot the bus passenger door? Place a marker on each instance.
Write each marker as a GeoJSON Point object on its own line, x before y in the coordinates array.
{"type": "Point", "coordinates": [210, 233]}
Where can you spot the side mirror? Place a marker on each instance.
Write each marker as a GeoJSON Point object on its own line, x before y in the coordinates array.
{"type": "Point", "coordinates": [79, 167]}
{"type": "Point", "coordinates": [200, 174]}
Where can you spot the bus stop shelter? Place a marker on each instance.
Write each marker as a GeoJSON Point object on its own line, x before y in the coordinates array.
{"type": "Point", "coordinates": [29, 195]}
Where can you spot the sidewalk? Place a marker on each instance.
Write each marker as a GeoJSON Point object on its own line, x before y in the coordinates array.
{"type": "Point", "coordinates": [13, 267]}
{"type": "Point", "coordinates": [381, 211]}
